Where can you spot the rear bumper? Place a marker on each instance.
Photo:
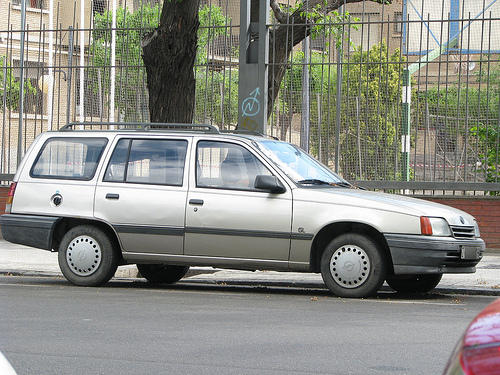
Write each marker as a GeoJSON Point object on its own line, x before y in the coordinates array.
{"type": "Point", "coordinates": [421, 254]}
{"type": "Point", "coordinates": [28, 230]}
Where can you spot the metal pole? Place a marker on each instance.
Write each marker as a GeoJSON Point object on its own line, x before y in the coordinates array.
{"type": "Point", "coordinates": [50, 95]}
{"type": "Point", "coordinates": [338, 102]}
{"type": "Point", "coordinates": [21, 84]}
{"type": "Point", "coordinates": [82, 60]}
{"type": "Point", "coordinates": [253, 66]}
{"type": "Point", "coordinates": [113, 64]}
{"type": "Point", "coordinates": [306, 105]}
{"type": "Point", "coordinates": [70, 73]}
{"type": "Point", "coordinates": [405, 136]}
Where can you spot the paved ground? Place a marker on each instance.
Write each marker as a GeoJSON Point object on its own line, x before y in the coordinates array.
{"type": "Point", "coordinates": [22, 260]}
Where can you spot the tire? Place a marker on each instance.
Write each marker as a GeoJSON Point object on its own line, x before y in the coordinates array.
{"type": "Point", "coordinates": [414, 283]}
{"type": "Point", "coordinates": [162, 273]}
{"type": "Point", "coordinates": [353, 266]}
{"type": "Point", "coordinates": [87, 256]}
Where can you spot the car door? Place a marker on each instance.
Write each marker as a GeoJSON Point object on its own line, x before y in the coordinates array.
{"type": "Point", "coordinates": [143, 194]}
{"type": "Point", "coordinates": [226, 216]}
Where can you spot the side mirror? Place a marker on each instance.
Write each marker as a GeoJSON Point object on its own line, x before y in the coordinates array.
{"type": "Point", "coordinates": [269, 183]}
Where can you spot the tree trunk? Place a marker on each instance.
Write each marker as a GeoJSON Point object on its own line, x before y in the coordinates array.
{"type": "Point", "coordinates": [169, 54]}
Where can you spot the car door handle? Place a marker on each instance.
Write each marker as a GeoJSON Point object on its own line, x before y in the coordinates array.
{"type": "Point", "coordinates": [196, 202]}
{"type": "Point", "coordinates": [112, 196]}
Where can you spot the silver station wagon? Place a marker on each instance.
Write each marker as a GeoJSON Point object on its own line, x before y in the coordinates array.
{"type": "Point", "coordinates": [167, 197]}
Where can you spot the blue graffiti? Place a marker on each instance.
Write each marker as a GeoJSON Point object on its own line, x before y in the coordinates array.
{"type": "Point", "coordinates": [251, 105]}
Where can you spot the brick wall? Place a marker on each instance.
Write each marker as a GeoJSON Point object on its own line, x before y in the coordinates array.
{"type": "Point", "coordinates": [4, 190]}
{"type": "Point", "coordinates": [485, 210]}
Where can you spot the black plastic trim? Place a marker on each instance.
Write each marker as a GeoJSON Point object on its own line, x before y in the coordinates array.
{"type": "Point", "coordinates": [29, 230]}
{"type": "Point", "coordinates": [141, 229]}
{"type": "Point", "coordinates": [431, 254]}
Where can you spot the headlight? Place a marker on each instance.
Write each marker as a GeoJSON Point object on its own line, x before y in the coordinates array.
{"type": "Point", "coordinates": [434, 226]}
{"type": "Point", "coordinates": [476, 230]}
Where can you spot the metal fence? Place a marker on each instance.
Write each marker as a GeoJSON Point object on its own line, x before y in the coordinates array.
{"type": "Point", "coordinates": [403, 96]}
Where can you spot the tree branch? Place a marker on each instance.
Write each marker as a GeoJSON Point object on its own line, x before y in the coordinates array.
{"type": "Point", "coordinates": [281, 16]}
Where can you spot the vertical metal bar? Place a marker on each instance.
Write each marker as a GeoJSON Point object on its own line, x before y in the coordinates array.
{"type": "Point", "coordinates": [70, 73]}
{"type": "Point", "coordinates": [112, 78]}
{"type": "Point", "coordinates": [338, 96]}
{"type": "Point", "coordinates": [21, 84]}
{"type": "Point", "coordinates": [306, 108]}
{"type": "Point", "coordinates": [405, 129]}
{"type": "Point", "coordinates": [82, 60]}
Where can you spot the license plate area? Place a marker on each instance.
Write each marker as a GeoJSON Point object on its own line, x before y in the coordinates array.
{"type": "Point", "coordinates": [470, 252]}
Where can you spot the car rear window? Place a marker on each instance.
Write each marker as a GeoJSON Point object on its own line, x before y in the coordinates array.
{"type": "Point", "coordinates": [69, 158]}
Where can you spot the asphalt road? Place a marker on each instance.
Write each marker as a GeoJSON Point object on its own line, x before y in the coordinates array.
{"type": "Point", "coordinates": [48, 326]}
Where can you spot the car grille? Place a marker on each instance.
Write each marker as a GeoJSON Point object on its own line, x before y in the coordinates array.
{"type": "Point", "coordinates": [463, 232]}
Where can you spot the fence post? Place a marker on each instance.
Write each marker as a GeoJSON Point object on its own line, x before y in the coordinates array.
{"type": "Point", "coordinates": [21, 84]}
{"type": "Point", "coordinates": [405, 133]}
{"type": "Point", "coordinates": [305, 125]}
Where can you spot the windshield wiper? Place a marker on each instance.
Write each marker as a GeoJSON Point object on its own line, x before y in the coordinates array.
{"type": "Point", "coordinates": [313, 181]}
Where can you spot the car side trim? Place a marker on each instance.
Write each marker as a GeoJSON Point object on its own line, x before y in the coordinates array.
{"type": "Point", "coordinates": [142, 229]}
{"type": "Point", "coordinates": [250, 233]}
{"type": "Point", "coordinates": [177, 231]}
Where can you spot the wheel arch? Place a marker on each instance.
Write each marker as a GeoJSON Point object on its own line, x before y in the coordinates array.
{"type": "Point", "coordinates": [333, 230]}
{"type": "Point", "coordinates": [67, 223]}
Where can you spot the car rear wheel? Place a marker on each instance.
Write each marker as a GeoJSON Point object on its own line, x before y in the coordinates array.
{"type": "Point", "coordinates": [87, 256]}
{"type": "Point", "coordinates": [414, 283]}
{"type": "Point", "coordinates": [162, 273]}
{"type": "Point", "coordinates": [353, 265]}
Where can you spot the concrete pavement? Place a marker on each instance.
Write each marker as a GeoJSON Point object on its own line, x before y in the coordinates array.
{"type": "Point", "coordinates": [22, 260]}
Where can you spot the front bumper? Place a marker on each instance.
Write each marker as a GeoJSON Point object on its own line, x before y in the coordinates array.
{"type": "Point", "coordinates": [413, 254]}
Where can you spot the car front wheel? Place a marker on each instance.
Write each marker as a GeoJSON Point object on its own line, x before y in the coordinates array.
{"type": "Point", "coordinates": [87, 256]}
{"type": "Point", "coordinates": [414, 283]}
{"type": "Point", "coordinates": [353, 265]}
{"type": "Point", "coordinates": [162, 273]}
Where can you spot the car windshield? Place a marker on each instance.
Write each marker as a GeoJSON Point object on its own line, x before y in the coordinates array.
{"type": "Point", "coordinates": [302, 168]}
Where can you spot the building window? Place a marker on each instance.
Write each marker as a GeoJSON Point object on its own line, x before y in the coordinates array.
{"type": "Point", "coordinates": [398, 23]}
{"type": "Point", "coordinates": [39, 4]}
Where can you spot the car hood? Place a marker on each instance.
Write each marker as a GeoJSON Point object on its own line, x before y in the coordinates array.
{"type": "Point", "coordinates": [383, 201]}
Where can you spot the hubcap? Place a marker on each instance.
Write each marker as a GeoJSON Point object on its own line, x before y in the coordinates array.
{"type": "Point", "coordinates": [350, 266]}
{"type": "Point", "coordinates": [83, 255]}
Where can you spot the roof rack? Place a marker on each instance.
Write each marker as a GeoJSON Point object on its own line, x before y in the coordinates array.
{"type": "Point", "coordinates": [141, 126]}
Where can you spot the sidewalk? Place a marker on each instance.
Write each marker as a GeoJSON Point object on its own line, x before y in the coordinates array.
{"type": "Point", "coordinates": [26, 261]}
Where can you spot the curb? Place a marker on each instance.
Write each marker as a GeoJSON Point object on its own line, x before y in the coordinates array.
{"type": "Point", "coordinates": [289, 284]}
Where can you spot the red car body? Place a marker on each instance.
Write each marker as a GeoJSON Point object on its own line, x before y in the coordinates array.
{"type": "Point", "coordinates": [478, 351]}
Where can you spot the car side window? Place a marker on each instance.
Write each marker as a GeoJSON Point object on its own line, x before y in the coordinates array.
{"type": "Point", "coordinates": [69, 158]}
{"type": "Point", "coordinates": [148, 161]}
{"type": "Point", "coordinates": [227, 166]}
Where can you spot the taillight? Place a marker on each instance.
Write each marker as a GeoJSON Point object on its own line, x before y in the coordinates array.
{"type": "Point", "coordinates": [10, 197]}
